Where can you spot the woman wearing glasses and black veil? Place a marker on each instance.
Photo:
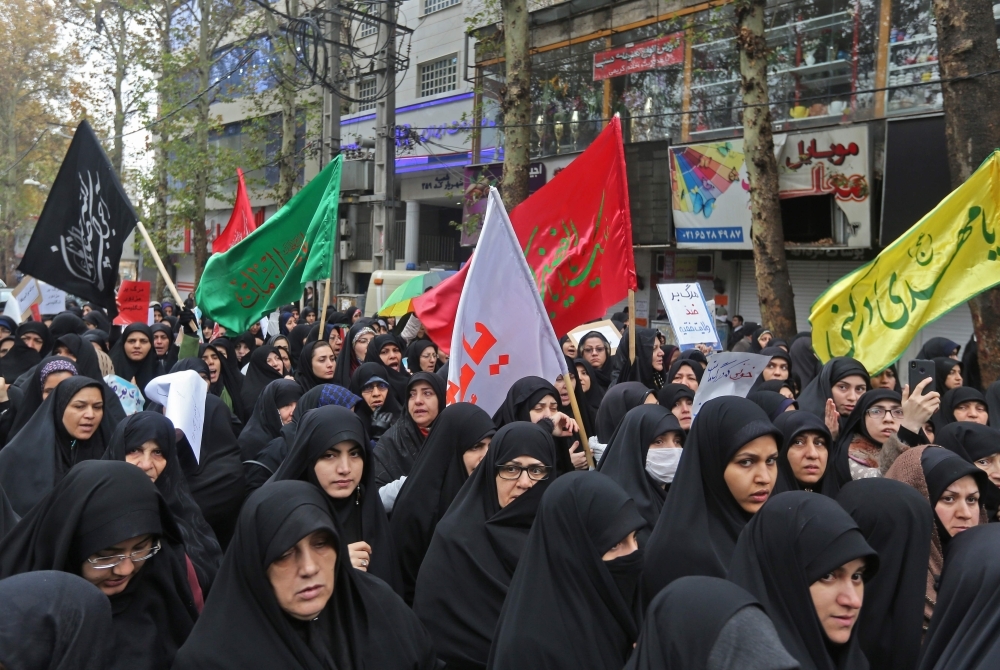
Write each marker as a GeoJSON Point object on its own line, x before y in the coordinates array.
{"type": "Point", "coordinates": [106, 522]}
{"type": "Point", "coordinates": [464, 576]}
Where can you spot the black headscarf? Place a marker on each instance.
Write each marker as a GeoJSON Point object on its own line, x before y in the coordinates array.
{"type": "Point", "coordinates": [938, 347]}
{"type": "Point", "coordinates": [774, 385]}
{"type": "Point", "coordinates": [855, 424]}
{"type": "Point", "coordinates": [42, 452]}
{"type": "Point", "coordinates": [688, 618]}
{"type": "Point", "coordinates": [265, 422]}
{"type": "Point", "coordinates": [896, 523]}
{"type": "Point", "coordinates": [364, 624]}
{"type": "Point", "coordinates": [563, 586]}
{"type": "Point", "coordinates": [98, 319]}
{"type": "Point", "coordinates": [360, 517]}
{"type": "Point", "coordinates": [259, 375]}
{"type": "Point", "coordinates": [86, 361]}
{"type": "Point", "coordinates": [617, 402]}
{"type": "Point", "coordinates": [99, 337]}
{"type": "Point", "coordinates": [437, 476]}
{"type": "Point", "coordinates": [347, 362]}
{"type": "Point", "coordinates": [642, 370]}
{"type": "Point", "coordinates": [773, 404]}
{"type": "Point", "coordinates": [814, 396]}
{"type": "Point", "coordinates": [377, 422]}
{"type": "Point", "coordinates": [970, 364]}
{"type": "Point", "coordinates": [65, 323]}
{"type": "Point", "coordinates": [476, 546]}
{"type": "Point", "coordinates": [413, 352]}
{"type": "Point", "coordinates": [54, 621]}
{"type": "Point", "coordinates": [693, 366]}
{"type": "Point", "coordinates": [8, 518]}
{"type": "Point", "coordinates": [297, 339]}
{"type": "Point", "coordinates": [671, 394]}
{"type": "Point", "coordinates": [304, 374]}
{"type": "Point", "coordinates": [755, 346]}
{"type": "Point", "coordinates": [98, 504]}
{"type": "Point", "coordinates": [596, 393]}
{"type": "Point", "coordinates": [793, 541]}
{"type": "Point", "coordinates": [624, 460]}
{"type": "Point", "coordinates": [200, 543]}
{"type": "Point", "coordinates": [229, 379]}
{"type": "Point", "coordinates": [791, 425]}
{"type": "Point", "coordinates": [992, 402]}
{"type": "Point", "coordinates": [700, 522]}
{"type": "Point", "coordinates": [965, 629]}
{"type": "Point", "coordinates": [31, 391]}
{"type": "Point", "coordinates": [169, 359]}
{"type": "Point", "coordinates": [399, 446]}
{"type": "Point", "coordinates": [397, 379]}
{"type": "Point", "coordinates": [804, 362]}
{"type": "Point", "coordinates": [21, 357]}
{"type": "Point", "coordinates": [602, 375]}
{"type": "Point", "coordinates": [952, 399]}
{"type": "Point", "coordinates": [141, 371]}
{"type": "Point", "coordinates": [942, 368]}
{"type": "Point", "coordinates": [250, 341]}
{"type": "Point", "coordinates": [521, 398]}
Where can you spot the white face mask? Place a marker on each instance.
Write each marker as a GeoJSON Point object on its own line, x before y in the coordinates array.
{"type": "Point", "coordinates": [661, 464]}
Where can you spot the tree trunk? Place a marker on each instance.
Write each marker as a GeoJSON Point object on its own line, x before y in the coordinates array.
{"type": "Point", "coordinates": [516, 103]}
{"type": "Point", "coordinates": [8, 213]}
{"type": "Point", "coordinates": [199, 235]}
{"type": "Point", "coordinates": [287, 172]}
{"type": "Point", "coordinates": [967, 37]}
{"type": "Point", "coordinates": [774, 289]}
{"type": "Point", "coordinates": [121, 68]}
{"type": "Point", "coordinates": [161, 214]}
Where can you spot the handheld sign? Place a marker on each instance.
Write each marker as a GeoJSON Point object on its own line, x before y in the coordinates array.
{"type": "Point", "coordinates": [728, 373]}
{"type": "Point", "coordinates": [690, 318]}
{"type": "Point", "coordinates": [605, 328]}
{"type": "Point", "coordinates": [182, 395]}
{"type": "Point", "coordinates": [53, 300]}
{"type": "Point", "coordinates": [127, 392]}
{"type": "Point", "coordinates": [133, 302]}
{"type": "Point", "coordinates": [25, 296]}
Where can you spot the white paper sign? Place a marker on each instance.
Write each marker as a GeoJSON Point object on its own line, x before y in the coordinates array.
{"type": "Point", "coordinates": [150, 317]}
{"type": "Point", "coordinates": [127, 392]}
{"type": "Point", "coordinates": [265, 323]}
{"type": "Point", "coordinates": [182, 395]}
{"type": "Point", "coordinates": [23, 297]}
{"type": "Point", "coordinates": [728, 373]}
{"type": "Point", "coordinates": [691, 319]}
{"type": "Point", "coordinates": [53, 299]}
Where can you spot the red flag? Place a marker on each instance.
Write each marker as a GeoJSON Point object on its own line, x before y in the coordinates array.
{"type": "Point", "coordinates": [576, 234]}
{"type": "Point", "coordinates": [241, 221]}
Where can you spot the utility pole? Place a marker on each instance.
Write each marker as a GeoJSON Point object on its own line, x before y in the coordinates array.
{"type": "Point", "coordinates": [331, 123]}
{"type": "Point", "coordinates": [383, 201]}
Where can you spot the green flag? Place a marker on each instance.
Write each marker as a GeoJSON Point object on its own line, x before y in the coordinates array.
{"type": "Point", "coordinates": [267, 268]}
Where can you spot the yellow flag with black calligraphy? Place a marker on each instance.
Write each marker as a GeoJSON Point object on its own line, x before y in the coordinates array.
{"type": "Point", "coordinates": [945, 259]}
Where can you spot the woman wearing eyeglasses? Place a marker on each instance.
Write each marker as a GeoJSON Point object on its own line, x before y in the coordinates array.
{"type": "Point", "coordinates": [106, 522]}
{"type": "Point", "coordinates": [877, 430]}
{"type": "Point", "coordinates": [476, 546]}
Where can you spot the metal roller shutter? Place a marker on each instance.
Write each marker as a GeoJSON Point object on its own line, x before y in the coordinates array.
{"type": "Point", "coordinates": [811, 278]}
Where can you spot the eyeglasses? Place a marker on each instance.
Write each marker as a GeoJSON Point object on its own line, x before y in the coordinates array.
{"type": "Point", "coordinates": [535, 472]}
{"type": "Point", "coordinates": [594, 350]}
{"type": "Point", "coordinates": [107, 562]}
{"type": "Point", "coordinates": [368, 388]}
{"type": "Point", "coordinates": [429, 357]}
{"type": "Point", "coordinates": [879, 412]}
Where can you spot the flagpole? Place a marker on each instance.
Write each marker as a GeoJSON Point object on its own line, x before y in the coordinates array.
{"type": "Point", "coordinates": [579, 420]}
{"type": "Point", "coordinates": [322, 317]}
{"type": "Point", "coordinates": [159, 265]}
{"type": "Point", "coordinates": [631, 326]}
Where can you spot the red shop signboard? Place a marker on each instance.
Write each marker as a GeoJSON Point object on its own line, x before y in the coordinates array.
{"type": "Point", "coordinates": [640, 56]}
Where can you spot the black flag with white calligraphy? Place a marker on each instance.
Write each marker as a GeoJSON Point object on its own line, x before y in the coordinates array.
{"type": "Point", "coordinates": [78, 240]}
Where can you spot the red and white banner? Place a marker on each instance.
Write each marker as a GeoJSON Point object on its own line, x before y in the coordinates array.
{"type": "Point", "coordinates": [638, 57]}
{"type": "Point", "coordinates": [502, 332]}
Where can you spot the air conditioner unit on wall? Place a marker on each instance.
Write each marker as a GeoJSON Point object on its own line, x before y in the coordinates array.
{"type": "Point", "coordinates": [346, 250]}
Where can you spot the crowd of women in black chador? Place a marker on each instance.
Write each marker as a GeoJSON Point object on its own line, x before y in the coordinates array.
{"type": "Point", "coordinates": [339, 515]}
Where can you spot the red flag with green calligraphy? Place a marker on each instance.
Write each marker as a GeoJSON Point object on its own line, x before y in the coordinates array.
{"type": "Point", "coordinates": [576, 234]}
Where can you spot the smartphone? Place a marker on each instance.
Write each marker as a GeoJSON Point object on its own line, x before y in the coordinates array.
{"type": "Point", "coordinates": [920, 370]}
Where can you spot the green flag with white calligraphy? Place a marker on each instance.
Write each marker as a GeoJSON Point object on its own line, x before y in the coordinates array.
{"type": "Point", "coordinates": [267, 268]}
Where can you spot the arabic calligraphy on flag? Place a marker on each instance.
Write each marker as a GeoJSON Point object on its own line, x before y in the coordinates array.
{"type": "Point", "coordinates": [638, 57]}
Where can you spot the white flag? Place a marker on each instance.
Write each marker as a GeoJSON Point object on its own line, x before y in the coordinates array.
{"type": "Point", "coordinates": [501, 330]}
{"type": "Point", "coordinates": [182, 395]}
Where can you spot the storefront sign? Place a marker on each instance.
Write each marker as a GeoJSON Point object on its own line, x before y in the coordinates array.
{"type": "Point", "coordinates": [710, 189]}
{"type": "Point", "coordinates": [640, 56]}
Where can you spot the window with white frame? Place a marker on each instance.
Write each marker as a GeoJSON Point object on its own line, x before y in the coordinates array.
{"type": "Point", "coordinates": [366, 94]}
{"type": "Point", "coordinates": [435, 5]}
{"type": "Point", "coordinates": [439, 76]}
{"type": "Point", "coordinates": [368, 28]}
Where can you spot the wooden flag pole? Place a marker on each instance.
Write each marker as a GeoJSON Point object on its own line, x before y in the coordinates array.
{"type": "Point", "coordinates": [631, 326]}
{"type": "Point", "coordinates": [322, 317]}
{"type": "Point", "coordinates": [571, 385]}
{"type": "Point", "coordinates": [159, 265]}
